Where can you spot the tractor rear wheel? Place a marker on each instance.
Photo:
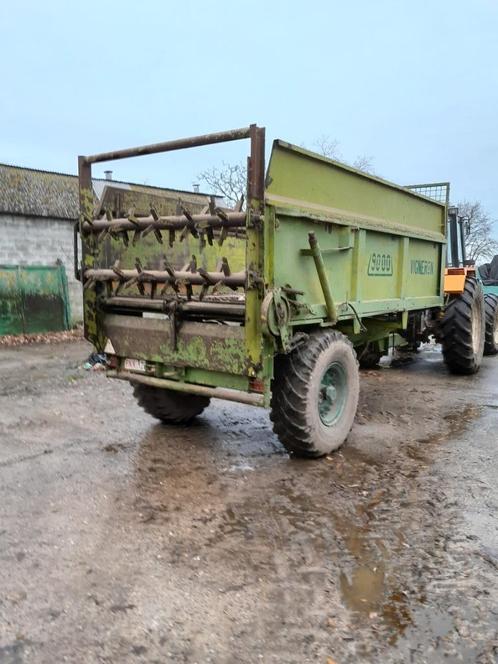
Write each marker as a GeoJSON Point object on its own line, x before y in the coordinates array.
{"type": "Point", "coordinates": [169, 406]}
{"type": "Point", "coordinates": [315, 394]}
{"type": "Point", "coordinates": [462, 330]}
{"type": "Point", "coordinates": [491, 311]}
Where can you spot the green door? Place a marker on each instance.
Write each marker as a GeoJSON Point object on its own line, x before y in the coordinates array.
{"type": "Point", "coordinates": [33, 299]}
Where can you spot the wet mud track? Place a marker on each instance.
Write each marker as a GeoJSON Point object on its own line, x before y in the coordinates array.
{"type": "Point", "coordinates": [122, 540]}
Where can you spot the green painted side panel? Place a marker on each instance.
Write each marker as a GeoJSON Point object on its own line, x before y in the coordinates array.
{"type": "Point", "coordinates": [381, 244]}
{"type": "Point", "coordinates": [380, 279]}
{"type": "Point", "coordinates": [33, 299]}
{"type": "Point", "coordinates": [302, 179]}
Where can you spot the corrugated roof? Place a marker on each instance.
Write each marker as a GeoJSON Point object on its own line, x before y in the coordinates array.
{"type": "Point", "coordinates": [38, 193]}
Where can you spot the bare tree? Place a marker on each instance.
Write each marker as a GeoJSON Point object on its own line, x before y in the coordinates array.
{"type": "Point", "coordinates": [329, 147]}
{"type": "Point", "coordinates": [364, 162]}
{"type": "Point", "coordinates": [228, 181]}
{"type": "Point", "coordinates": [479, 240]}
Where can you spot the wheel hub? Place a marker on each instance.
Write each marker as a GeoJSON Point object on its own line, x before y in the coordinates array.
{"type": "Point", "coordinates": [476, 329]}
{"type": "Point", "coordinates": [332, 394]}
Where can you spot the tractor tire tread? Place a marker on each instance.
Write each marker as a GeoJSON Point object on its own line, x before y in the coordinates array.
{"type": "Point", "coordinates": [491, 314]}
{"type": "Point", "coordinates": [456, 331]}
{"type": "Point", "coordinates": [167, 405]}
{"type": "Point", "coordinates": [290, 388]}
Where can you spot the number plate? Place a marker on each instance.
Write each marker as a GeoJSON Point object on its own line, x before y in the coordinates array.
{"type": "Point", "coordinates": [134, 365]}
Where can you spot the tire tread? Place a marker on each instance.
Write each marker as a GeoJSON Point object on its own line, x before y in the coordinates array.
{"type": "Point", "coordinates": [167, 405]}
{"type": "Point", "coordinates": [456, 330]}
{"type": "Point", "coordinates": [289, 391]}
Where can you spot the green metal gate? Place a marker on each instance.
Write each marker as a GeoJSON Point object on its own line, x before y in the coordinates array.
{"type": "Point", "coordinates": [33, 299]}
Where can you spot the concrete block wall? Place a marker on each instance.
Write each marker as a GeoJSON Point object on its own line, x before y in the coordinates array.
{"type": "Point", "coordinates": [40, 241]}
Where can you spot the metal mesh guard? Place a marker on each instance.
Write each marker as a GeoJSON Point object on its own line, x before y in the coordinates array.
{"type": "Point", "coordinates": [439, 191]}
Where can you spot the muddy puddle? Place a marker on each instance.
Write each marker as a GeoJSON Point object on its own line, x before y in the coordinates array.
{"type": "Point", "coordinates": [224, 549]}
{"type": "Point", "coordinates": [349, 521]}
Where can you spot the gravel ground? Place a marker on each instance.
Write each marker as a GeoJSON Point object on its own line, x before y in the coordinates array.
{"type": "Point", "coordinates": [122, 540]}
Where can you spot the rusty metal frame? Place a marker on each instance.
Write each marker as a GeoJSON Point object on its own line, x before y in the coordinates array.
{"type": "Point", "coordinates": [89, 227]}
{"type": "Point", "coordinates": [252, 399]}
{"type": "Point", "coordinates": [168, 146]}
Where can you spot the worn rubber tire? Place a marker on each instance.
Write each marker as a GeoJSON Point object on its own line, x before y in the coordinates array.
{"type": "Point", "coordinates": [464, 315]}
{"type": "Point", "coordinates": [491, 313]}
{"type": "Point", "coordinates": [167, 405]}
{"type": "Point", "coordinates": [296, 394]}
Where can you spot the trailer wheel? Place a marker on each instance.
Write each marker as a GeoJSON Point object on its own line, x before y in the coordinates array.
{"type": "Point", "coordinates": [315, 394]}
{"type": "Point", "coordinates": [169, 406]}
{"type": "Point", "coordinates": [491, 312]}
{"type": "Point", "coordinates": [463, 330]}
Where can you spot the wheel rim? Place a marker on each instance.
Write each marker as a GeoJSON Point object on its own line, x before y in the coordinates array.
{"type": "Point", "coordinates": [495, 336]}
{"type": "Point", "coordinates": [332, 394]}
{"type": "Point", "coordinates": [476, 329]}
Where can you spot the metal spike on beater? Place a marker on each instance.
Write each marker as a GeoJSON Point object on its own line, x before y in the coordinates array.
{"type": "Point", "coordinates": [173, 281]}
{"type": "Point", "coordinates": [88, 219]}
{"type": "Point", "coordinates": [89, 283]}
{"type": "Point", "coordinates": [157, 232]}
{"type": "Point", "coordinates": [184, 233]}
{"type": "Point", "coordinates": [223, 235]}
{"type": "Point", "coordinates": [102, 235]}
{"type": "Point", "coordinates": [133, 220]}
{"type": "Point", "coordinates": [192, 266]}
{"type": "Point", "coordinates": [225, 267]}
{"type": "Point", "coordinates": [202, 240]}
{"type": "Point", "coordinates": [189, 290]}
{"type": "Point", "coordinates": [190, 222]}
{"type": "Point", "coordinates": [147, 230]}
{"type": "Point", "coordinates": [208, 282]}
{"type": "Point", "coordinates": [117, 271]}
{"type": "Point", "coordinates": [224, 230]}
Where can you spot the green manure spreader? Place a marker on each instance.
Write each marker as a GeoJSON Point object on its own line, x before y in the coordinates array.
{"type": "Point", "coordinates": [273, 303]}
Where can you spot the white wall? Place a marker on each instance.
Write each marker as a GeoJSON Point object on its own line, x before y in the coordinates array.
{"type": "Point", "coordinates": [39, 241]}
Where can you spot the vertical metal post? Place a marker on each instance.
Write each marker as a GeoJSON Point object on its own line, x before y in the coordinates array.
{"type": "Point", "coordinates": [256, 168]}
{"type": "Point", "coordinates": [323, 278]}
{"type": "Point", "coordinates": [462, 240]}
{"type": "Point", "coordinates": [403, 267]}
{"type": "Point", "coordinates": [89, 248]}
{"type": "Point", "coordinates": [358, 265]}
{"type": "Point", "coordinates": [254, 249]}
{"type": "Point", "coordinates": [452, 226]}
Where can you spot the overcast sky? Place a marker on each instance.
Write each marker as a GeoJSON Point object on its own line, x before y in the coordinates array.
{"type": "Point", "coordinates": [414, 84]}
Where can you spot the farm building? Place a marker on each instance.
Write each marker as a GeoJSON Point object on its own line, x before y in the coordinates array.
{"type": "Point", "coordinates": [38, 210]}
